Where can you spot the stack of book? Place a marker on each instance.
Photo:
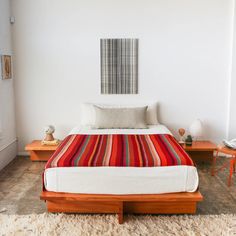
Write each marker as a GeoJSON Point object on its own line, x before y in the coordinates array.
{"type": "Point", "coordinates": [53, 142]}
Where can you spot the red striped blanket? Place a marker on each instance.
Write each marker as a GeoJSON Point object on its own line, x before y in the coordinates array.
{"type": "Point", "coordinates": [119, 150]}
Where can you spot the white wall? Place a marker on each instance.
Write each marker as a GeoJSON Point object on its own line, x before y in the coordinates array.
{"type": "Point", "coordinates": [232, 87]}
{"type": "Point", "coordinates": [184, 60]}
{"type": "Point", "coordinates": [7, 114]}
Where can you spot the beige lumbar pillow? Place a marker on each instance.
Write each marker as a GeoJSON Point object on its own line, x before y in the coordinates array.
{"type": "Point", "coordinates": [120, 118]}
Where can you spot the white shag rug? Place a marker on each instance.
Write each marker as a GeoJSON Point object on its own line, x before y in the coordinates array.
{"type": "Point", "coordinates": [70, 225]}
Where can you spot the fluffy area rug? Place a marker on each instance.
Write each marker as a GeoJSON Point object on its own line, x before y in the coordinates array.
{"type": "Point", "coordinates": [70, 225]}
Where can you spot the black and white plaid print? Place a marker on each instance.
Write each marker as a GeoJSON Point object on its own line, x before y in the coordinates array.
{"type": "Point", "coordinates": [119, 66]}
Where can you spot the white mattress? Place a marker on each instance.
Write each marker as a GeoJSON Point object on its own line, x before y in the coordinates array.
{"type": "Point", "coordinates": [122, 180]}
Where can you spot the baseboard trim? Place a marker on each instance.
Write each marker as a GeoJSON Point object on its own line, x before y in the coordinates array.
{"type": "Point", "coordinates": [8, 153]}
{"type": "Point", "coordinates": [7, 145]}
{"type": "Point", "coordinates": [23, 154]}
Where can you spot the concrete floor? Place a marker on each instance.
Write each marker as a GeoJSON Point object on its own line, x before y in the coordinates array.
{"type": "Point", "coordinates": [20, 187]}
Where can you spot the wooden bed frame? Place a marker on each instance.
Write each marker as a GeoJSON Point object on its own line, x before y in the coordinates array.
{"type": "Point", "coordinates": [171, 203]}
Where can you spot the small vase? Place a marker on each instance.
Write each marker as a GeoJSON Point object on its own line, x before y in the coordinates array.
{"type": "Point", "coordinates": [49, 137]}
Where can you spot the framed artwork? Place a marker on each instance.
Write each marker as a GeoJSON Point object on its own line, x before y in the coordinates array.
{"type": "Point", "coordinates": [119, 66]}
{"type": "Point", "coordinates": [6, 67]}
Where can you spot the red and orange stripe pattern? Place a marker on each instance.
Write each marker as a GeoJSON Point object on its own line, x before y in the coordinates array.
{"type": "Point", "coordinates": [119, 150]}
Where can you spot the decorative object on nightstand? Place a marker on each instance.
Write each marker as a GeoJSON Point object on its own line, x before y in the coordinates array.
{"type": "Point", "coordinates": [196, 129]}
{"type": "Point", "coordinates": [49, 139]}
{"type": "Point", "coordinates": [232, 161]}
{"type": "Point", "coordinates": [201, 150]}
{"type": "Point", "coordinates": [39, 152]}
{"type": "Point", "coordinates": [188, 140]}
{"type": "Point", "coordinates": [181, 134]}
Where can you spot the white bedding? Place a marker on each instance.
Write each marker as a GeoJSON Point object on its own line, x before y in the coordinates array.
{"type": "Point", "coordinates": [152, 129]}
{"type": "Point", "coordinates": [122, 180]}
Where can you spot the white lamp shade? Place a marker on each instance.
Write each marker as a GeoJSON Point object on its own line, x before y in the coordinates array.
{"type": "Point", "coordinates": [196, 129]}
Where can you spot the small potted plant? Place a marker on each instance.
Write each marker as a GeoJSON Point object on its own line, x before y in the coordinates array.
{"type": "Point", "coordinates": [189, 140]}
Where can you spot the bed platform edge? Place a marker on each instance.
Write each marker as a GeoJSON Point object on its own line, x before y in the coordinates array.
{"type": "Point", "coordinates": [170, 203]}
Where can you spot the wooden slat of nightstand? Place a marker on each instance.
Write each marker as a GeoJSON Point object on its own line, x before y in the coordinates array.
{"type": "Point", "coordinates": [201, 146]}
{"type": "Point", "coordinates": [37, 146]}
{"type": "Point", "coordinates": [39, 152]}
{"type": "Point", "coordinates": [201, 151]}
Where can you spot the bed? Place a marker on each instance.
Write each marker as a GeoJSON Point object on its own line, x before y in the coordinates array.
{"type": "Point", "coordinates": [170, 189]}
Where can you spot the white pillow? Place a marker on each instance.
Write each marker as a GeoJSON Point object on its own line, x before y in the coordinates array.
{"type": "Point", "coordinates": [152, 114]}
{"type": "Point", "coordinates": [88, 113]}
{"type": "Point", "coordinates": [120, 118]}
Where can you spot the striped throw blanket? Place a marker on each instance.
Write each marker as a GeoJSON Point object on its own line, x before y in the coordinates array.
{"type": "Point", "coordinates": [119, 150]}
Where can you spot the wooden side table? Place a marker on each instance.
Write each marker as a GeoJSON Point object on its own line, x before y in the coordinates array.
{"type": "Point", "coordinates": [232, 161]}
{"type": "Point", "coordinates": [201, 150]}
{"type": "Point", "coordinates": [39, 152]}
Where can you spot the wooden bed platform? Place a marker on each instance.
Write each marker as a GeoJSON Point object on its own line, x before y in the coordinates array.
{"type": "Point", "coordinates": [171, 203]}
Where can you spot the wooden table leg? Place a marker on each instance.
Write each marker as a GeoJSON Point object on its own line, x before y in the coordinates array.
{"type": "Point", "coordinates": [234, 164]}
{"type": "Point", "coordinates": [231, 171]}
{"type": "Point", "coordinates": [214, 164]}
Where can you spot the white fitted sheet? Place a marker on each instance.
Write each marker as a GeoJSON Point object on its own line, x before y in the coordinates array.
{"type": "Point", "coordinates": [122, 180]}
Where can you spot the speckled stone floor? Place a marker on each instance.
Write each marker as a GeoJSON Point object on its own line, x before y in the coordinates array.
{"type": "Point", "coordinates": [20, 187]}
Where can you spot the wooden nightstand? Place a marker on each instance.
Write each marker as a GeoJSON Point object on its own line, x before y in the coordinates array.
{"type": "Point", "coordinates": [201, 150]}
{"type": "Point", "coordinates": [39, 152]}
